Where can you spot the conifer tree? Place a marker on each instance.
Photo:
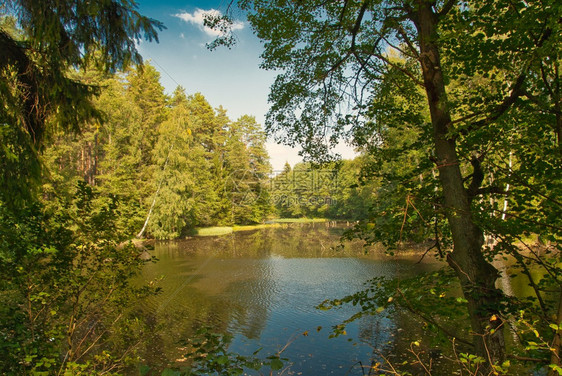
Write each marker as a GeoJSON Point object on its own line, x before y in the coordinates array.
{"type": "Point", "coordinates": [52, 39]}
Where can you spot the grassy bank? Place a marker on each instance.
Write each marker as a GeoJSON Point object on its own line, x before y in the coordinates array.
{"type": "Point", "coordinates": [212, 231]}
{"type": "Point", "coordinates": [299, 220]}
{"type": "Point", "coordinates": [225, 230]}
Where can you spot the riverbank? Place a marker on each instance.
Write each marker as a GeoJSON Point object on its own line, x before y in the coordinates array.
{"type": "Point", "coordinates": [406, 250]}
{"type": "Point", "coordinates": [278, 222]}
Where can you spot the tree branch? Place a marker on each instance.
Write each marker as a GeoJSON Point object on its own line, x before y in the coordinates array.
{"type": "Point", "coordinates": [401, 69]}
{"type": "Point", "coordinates": [431, 320]}
{"type": "Point", "coordinates": [343, 11]}
{"type": "Point", "coordinates": [541, 104]}
{"type": "Point", "coordinates": [359, 19]}
{"type": "Point", "coordinates": [477, 177]}
{"type": "Point", "coordinates": [500, 109]}
{"type": "Point", "coordinates": [490, 190]}
{"type": "Point", "coordinates": [545, 80]}
{"type": "Point", "coordinates": [525, 183]}
{"type": "Point", "coordinates": [447, 8]}
{"type": "Point", "coordinates": [408, 41]}
{"type": "Point", "coordinates": [14, 55]}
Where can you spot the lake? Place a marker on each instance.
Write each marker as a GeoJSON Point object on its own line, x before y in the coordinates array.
{"type": "Point", "coordinates": [262, 287]}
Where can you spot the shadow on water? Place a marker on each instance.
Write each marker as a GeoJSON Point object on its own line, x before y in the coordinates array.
{"type": "Point", "coordinates": [262, 287]}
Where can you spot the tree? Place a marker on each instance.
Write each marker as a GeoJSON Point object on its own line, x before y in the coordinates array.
{"type": "Point", "coordinates": [396, 142]}
{"type": "Point", "coordinates": [114, 155]}
{"type": "Point", "coordinates": [178, 161]}
{"type": "Point", "coordinates": [53, 38]}
{"type": "Point", "coordinates": [210, 132]}
{"type": "Point", "coordinates": [354, 191]}
{"type": "Point", "coordinates": [67, 272]}
{"type": "Point", "coordinates": [208, 171]}
{"type": "Point", "coordinates": [333, 54]}
{"type": "Point", "coordinates": [66, 280]}
{"type": "Point", "coordinates": [135, 110]}
{"type": "Point", "coordinates": [146, 91]}
{"type": "Point", "coordinates": [247, 163]}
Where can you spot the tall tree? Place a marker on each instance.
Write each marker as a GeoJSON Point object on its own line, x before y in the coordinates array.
{"type": "Point", "coordinates": [178, 160]}
{"type": "Point", "coordinates": [248, 167]}
{"type": "Point", "coordinates": [135, 139]}
{"type": "Point", "coordinates": [209, 132]}
{"type": "Point", "coordinates": [146, 91]}
{"type": "Point", "coordinates": [54, 38]}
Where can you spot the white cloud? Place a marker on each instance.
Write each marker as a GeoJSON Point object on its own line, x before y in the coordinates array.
{"type": "Point", "coordinates": [197, 18]}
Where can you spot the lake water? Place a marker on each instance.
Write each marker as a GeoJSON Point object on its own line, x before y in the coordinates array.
{"type": "Point", "coordinates": [262, 287]}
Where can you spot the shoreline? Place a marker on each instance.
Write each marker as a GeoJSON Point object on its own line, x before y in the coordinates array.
{"type": "Point", "coordinates": [273, 223]}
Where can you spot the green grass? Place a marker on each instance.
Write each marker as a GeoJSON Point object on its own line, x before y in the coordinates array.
{"type": "Point", "coordinates": [213, 231]}
{"type": "Point", "coordinates": [298, 220]}
{"type": "Point", "coordinates": [225, 230]}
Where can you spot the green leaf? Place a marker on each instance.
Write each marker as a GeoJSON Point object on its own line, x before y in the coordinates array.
{"type": "Point", "coordinates": [556, 368]}
{"type": "Point", "coordinates": [276, 364]}
{"type": "Point", "coordinates": [144, 370]}
{"type": "Point", "coordinates": [170, 372]}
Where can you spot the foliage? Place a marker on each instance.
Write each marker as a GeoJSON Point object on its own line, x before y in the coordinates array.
{"type": "Point", "coordinates": [174, 160]}
{"type": "Point", "coordinates": [69, 269]}
{"type": "Point", "coordinates": [208, 354]}
{"type": "Point", "coordinates": [456, 106]}
{"type": "Point", "coordinates": [66, 271]}
{"type": "Point", "coordinates": [248, 171]}
{"type": "Point", "coordinates": [331, 190]}
{"type": "Point", "coordinates": [210, 171]}
{"type": "Point", "coordinates": [66, 281]}
{"type": "Point", "coordinates": [178, 157]}
{"type": "Point", "coordinates": [43, 43]}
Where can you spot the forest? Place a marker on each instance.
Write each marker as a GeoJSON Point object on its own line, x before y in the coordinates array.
{"type": "Point", "coordinates": [454, 107]}
{"type": "Point", "coordinates": [174, 163]}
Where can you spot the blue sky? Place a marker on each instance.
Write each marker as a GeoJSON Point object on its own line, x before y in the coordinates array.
{"type": "Point", "coordinates": [230, 78]}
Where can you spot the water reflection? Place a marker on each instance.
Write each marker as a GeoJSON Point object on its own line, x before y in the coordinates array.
{"type": "Point", "coordinates": [262, 287]}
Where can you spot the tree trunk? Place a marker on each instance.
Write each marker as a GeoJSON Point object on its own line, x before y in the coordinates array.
{"type": "Point", "coordinates": [476, 275]}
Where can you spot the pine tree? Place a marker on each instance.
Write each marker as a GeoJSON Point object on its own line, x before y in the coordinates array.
{"type": "Point", "coordinates": [42, 42]}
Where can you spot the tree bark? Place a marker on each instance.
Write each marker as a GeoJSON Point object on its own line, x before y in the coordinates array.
{"type": "Point", "coordinates": [476, 275]}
